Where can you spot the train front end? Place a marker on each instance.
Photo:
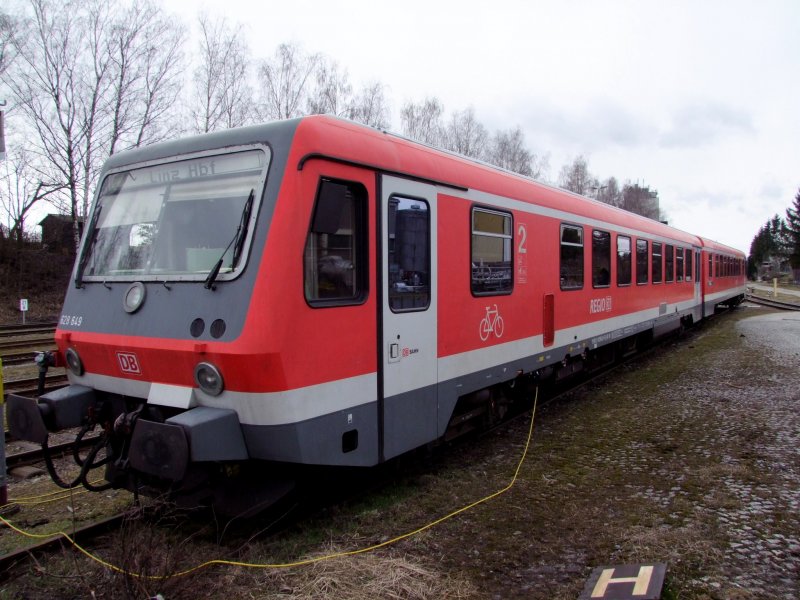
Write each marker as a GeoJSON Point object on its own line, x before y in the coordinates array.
{"type": "Point", "coordinates": [151, 329]}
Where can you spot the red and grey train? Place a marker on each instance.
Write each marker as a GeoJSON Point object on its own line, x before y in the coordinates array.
{"type": "Point", "coordinates": [317, 292]}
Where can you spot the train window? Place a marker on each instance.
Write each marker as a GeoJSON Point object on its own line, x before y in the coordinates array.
{"type": "Point", "coordinates": [688, 264]}
{"type": "Point", "coordinates": [669, 260]}
{"type": "Point", "coordinates": [678, 264]}
{"type": "Point", "coordinates": [492, 270]}
{"type": "Point", "coordinates": [710, 266]}
{"type": "Point", "coordinates": [178, 220]}
{"type": "Point", "coordinates": [571, 257]}
{"type": "Point", "coordinates": [698, 266]}
{"type": "Point", "coordinates": [623, 260]}
{"type": "Point", "coordinates": [641, 262]}
{"type": "Point", "coordinates": [657, 263]}
{"type": "Point", "coordinates": [601, 258]}
{"type": "Point", "coordinates": [335, 259]}
{"type": "Point", "coordinates": [409, 243]}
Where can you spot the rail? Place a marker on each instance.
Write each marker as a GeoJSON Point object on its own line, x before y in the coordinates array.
{"type": "Point", "coordinates": [19, 330]}
{"type": "Point", "coordinates": [771, 303]}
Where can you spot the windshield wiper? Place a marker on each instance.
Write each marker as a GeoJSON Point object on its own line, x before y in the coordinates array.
{"type": "Point", "coordinates": [87, 248]}
{"type": "Point", "coordinates": [237, 242]}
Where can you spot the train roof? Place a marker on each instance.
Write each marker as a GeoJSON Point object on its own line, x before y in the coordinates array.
{"type": "Point", "coordinates": [390, 152]}
{"type": "Point", "coordinates": [322, 136]}
{"type": "Point", "coordinates": [718, 247]}
{"type": "Point", "coordinates": [274, 133]}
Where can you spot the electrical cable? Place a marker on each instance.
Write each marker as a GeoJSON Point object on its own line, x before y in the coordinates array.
{"type": "Point", "coordinates": [307, 561]}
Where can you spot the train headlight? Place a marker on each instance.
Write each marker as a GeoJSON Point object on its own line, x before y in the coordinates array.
{"type": "Point", "coordinates": [134, 297]}
{"type": "Point", "coordinates": [74, 361]}
{"type": "Point", "coordinates": [209, 378]}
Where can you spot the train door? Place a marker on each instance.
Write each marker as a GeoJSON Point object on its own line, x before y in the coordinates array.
{"type": "Point", "coordinates": [698, 280]}
{"type": "Point", "coordinates": [409, 370]}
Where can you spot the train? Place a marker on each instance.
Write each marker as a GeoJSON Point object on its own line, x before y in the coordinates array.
{"type": "Point", "coordinates": [318, 292]}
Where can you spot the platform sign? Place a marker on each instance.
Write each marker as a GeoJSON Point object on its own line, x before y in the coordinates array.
{"type": "Point", "coordinates": [625, 582]}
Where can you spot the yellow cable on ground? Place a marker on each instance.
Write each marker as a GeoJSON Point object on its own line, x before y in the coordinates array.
{"type": "Point", "coordinates": [31, 499]}
{"type": "Point", "coordinates": [306, 561]}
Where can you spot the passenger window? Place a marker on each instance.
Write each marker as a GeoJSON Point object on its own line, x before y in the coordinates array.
{"type": "Point", "coordinates": [601, 258]}
{"type": "Point", "coordinates": [669, 259]}
{"type": "Point", "coordinates": [678, 264]}
{"type": "Point", "coordinates": [623, 260]}
{"type": "Point", "coordinates": [409, 254]}
{"type": "Point", "coordinates": [641, 262]}
{"type": "Point", "coordinates": [335, 260]}
{"type": "Point", "coordinates": [492, 268]}
{"type": "Point", "coordinates": [657, 263]}
{"type": "Point", "coordinates": [571, 257]}
{"type": "Point", "coordinates": [689, 264]}
{"type": "Point", "coordinates": [698, 265]}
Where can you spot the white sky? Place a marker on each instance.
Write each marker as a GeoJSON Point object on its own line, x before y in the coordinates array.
{"type": "Point", "coordinates": [698, 99]}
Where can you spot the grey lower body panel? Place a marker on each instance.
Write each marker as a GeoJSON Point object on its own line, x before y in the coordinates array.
{"type": "Point", "coordinates": [344, 438]}
{"type": "Point", "coordinates": [415, 418]}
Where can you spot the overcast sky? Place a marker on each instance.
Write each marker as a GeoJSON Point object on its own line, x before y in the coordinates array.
{"type": "Point", "coordinates": [698, 99]}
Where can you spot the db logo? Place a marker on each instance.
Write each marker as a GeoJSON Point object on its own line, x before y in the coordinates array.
{"type": "Point", "coordinates": [129, 363]}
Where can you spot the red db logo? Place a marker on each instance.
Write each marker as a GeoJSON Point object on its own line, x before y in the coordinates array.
{"type": "Point", "coordinates": [129, 363]}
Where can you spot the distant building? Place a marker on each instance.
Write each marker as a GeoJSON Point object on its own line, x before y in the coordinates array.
{"type": "Point", "coordinates": [57, 233]}
{"type": "Point", "coordinates": [774, 266]}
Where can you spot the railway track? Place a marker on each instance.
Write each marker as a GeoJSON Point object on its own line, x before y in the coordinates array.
{"type": "Point", "coordinates": [771, 303]}
{"type": "Point", "coordinates": [35, 456]}
{"type": "Point", "coordinates": [29, 329]}
{"type": "Point", "coordinates": [29, 387]}
{"type": "Point", "coordinates": [79, 535]}
{"type": "Point", "coordinates": [22, 358]}
{"type": "Point", "coordinates": [47, 343]}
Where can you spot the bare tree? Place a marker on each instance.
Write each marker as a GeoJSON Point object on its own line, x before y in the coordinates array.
{"type": "Point", "coordinates": [7, 27]}
{"type": "Point", "coordinates": [466, 135]}
{"type": "Point", "coordinates": [370, 106]}
{"type": "Point", "coordinates": [45, 81]}
{"type": "Point", "coordinates": [509, 151]}
{"type": "Point", "coordinates": [332, 93]}
{"type": "Point", "coordinates": [576, 177]}
{"type": "Point", "coordinates": [423, 121]}
{"type": "Point", "coordinates": [84, 80]}
{"type": "Point", "coordinates": [223, 98]}
{"type": "Point", "coordinates": [609, 192]}
{"type": "Point", "coordinates": [284, 81]}
{"type": "Point", "coordinates": [147, 62]}
{"type": "Point", "coordinates": [21, 190]}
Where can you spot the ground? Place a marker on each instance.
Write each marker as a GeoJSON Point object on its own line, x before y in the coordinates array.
{"type": "Point", "coordinates": [689, 457]}
{"type": "Point", "coordinates": [44, 306]}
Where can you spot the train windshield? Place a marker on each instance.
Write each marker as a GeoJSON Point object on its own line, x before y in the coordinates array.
{"type": "Point", "coordinates": [176, 220]}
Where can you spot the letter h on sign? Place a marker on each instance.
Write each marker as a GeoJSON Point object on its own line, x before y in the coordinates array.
{"type": "Point", "coordinates": [627, 582]}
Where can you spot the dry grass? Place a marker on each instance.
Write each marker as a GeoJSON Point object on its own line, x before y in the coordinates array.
{"type": "Point", "coordinates": [364, 577]}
